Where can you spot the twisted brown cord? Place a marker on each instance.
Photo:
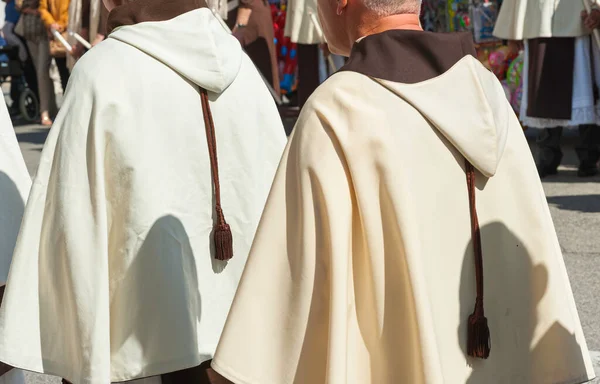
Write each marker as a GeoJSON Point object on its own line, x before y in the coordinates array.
{"type": "Point", "coordinates": [475, 230]}
{"type": "Point", "coordinates": [212, 149]}
{"type": "Point", "coordinates": [478, 334]}
{"type": "Point", "coordinates": [222, 232]}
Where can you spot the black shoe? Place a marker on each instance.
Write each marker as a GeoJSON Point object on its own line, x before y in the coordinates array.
{"type": "Point", "coordinates": [587, 172]}
{"type": "Point", "coordinates": [544, 171]}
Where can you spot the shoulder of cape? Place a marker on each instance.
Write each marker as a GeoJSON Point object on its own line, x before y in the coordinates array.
{"type": "Point", "coordinates": [345, 107]}
{"type": "Point", "coordinates": [106, 65]}
{"type": "Point", "coordinates": [344, 92]}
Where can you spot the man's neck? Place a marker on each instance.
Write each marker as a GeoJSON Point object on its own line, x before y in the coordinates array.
{"type": "Point", "coordinates": [404, 21]}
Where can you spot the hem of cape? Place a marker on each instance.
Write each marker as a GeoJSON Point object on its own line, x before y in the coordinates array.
{"type": "Point", "coordinates": [580, 380]}
{"type": "Point", "coordinates": [538, 36]}
{"type": "Point", "coordinates": [53, 368]}
{"type": "Point", "coordinates": [232, 375]}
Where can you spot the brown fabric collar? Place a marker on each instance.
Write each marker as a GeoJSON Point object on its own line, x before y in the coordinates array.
{"type": "Point", "coordinates": [138, 11]}
{"type": "Point", "coordinates": [406, 56]}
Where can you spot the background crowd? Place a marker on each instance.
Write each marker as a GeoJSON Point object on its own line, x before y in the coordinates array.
{"type": "Point", "coordinates": [30, 25]}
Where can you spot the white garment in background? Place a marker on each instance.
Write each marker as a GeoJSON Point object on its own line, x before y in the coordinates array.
{"type": "Point", "coordinates": [74, 25]}
{"type": "Point", "coordinates": [584, 110]}
{"type": "Point", "coordinates": [298, 24]}
{"type": "Point", "coordinates": [530, 19]}
{"type": "Point", "coordinates": [113, 276]}
{"type": "Point", "coordinates": [325, 69]}
{"type": "Point", "coordinates": [2, 14]}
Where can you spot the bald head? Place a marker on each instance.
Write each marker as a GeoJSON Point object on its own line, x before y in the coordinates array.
{"type": "Point", "coordinates": [344, 21]}
{"type": "Point", "coordinates": [384, 8]}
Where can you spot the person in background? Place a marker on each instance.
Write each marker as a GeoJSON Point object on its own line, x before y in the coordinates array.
{"type": "Point", "coordinates": [96, 33]}
{"type": "Point", "coordinates": [325, 69]}
{"type": "Point", "coordinates": [11, 19]}
{"type": "Point", "coordinates": [12, 16]}
{"type": "Point", "coordinates": [301, 30]}
{"type": "Point", "coordinates": [36, 37]}
{"type": "Point", "coordinates": [560, 76]}
{"type": "Point", "coordinates": [55, 15]}
{"type": "Point", "coordinates": [92, 26]}
{"type": "Point", "coordinates": [252, 24]}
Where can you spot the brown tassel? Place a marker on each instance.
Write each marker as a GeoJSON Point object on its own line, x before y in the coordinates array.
{"type": "Point", "coordinates": [478, 332]}
{"type": "Point", "coordinates": [222, 235]}
{"type": "Point", "coordinates": [223, 239]}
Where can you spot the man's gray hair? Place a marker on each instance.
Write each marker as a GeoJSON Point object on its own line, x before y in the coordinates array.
{"type": "Point", "coordinates": [393, 7]}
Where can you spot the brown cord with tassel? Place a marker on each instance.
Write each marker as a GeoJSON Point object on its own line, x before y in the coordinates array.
{"type": "Point", "coordinates": [478, 332]}
{"type": "Point", "coordinates": [222, 232]}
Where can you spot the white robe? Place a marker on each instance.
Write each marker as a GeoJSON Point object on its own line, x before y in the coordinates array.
{"type": "Point", "coordinates": [362, 270]}
{"type": "Point", "coordinates": [14, 188]}
{"type": "Point", "coordinates": [298, 25]}
{"type": "Point", "coordinates": [529, 19]}
{"type": "Point", "coordinates": [585, 109]}
{"type": "Point", "coordinates": [113, 276]}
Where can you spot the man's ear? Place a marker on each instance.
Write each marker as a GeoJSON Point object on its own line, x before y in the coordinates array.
{"type": "Point", "coordinates": [341, 6]}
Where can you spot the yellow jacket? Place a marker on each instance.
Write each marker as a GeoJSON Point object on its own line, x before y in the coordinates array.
{"type": "Point", "coordinates": [55, 11]}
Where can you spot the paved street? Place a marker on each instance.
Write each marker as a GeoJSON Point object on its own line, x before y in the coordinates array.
{"type": "Point", "coordinates": [575, 206]}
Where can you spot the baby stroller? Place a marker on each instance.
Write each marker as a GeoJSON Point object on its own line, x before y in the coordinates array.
{"type": "Point", "coordinates": [11, 67]}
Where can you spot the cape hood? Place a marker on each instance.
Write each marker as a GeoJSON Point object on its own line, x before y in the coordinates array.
{"type": "Point", "coordinates": [437, 74]}
{"type": "Point", "coordinates": [193, 44]}
{"type": "Point", "coordinates": [447, 104]}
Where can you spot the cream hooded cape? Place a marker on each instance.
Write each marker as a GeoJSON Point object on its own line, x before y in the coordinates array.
{"type": "Point", "coordinates": [530, 19]}
{"type": "Point", "coordinates": [14, 188]}
{"type": "Point", "coordinates": [113, 277]}
{"type": "Point", "coordinates": [361, 271]}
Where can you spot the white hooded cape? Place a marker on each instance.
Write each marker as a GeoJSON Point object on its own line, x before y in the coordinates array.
{"type": "Point", "coordinates": [113, 276]}
{"type": "Point", "coordinates": [362, 269]}
{"type": "Point", "coordinates": [14, 188]}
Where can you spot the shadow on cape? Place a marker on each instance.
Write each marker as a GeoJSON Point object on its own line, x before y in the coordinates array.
{"type": "Point", "coordinates": [514, 286]}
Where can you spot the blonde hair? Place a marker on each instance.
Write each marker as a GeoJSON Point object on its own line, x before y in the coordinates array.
{"type": "Point", "coordinates": [393, 7]}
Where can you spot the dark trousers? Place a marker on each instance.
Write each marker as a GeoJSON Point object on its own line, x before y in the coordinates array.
{"type": "Point", "coordinates": [588, 152]}
{"type": "Point", "coordinates": [308, 71]}
{"type": "Point", "coordinates": [63, 70]}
